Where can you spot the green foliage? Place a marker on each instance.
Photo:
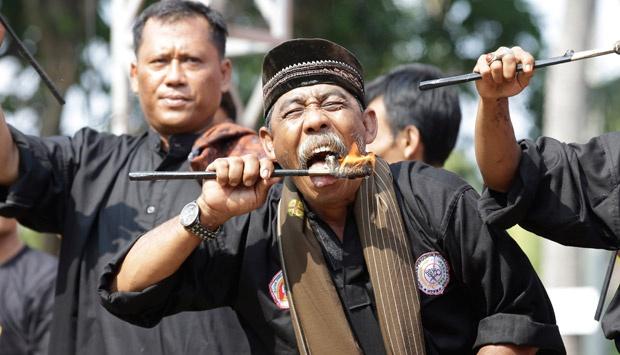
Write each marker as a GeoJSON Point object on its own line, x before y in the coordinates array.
{"type": "Point", "coordinates": [459, 164]}
{"type": "Point", "coordinates": [530, 243]}
{"type": "Point", "coordinates": [370, 29]}
{"type": "Point", "coordinates": [605, 99]}
{"type": "Point", "coordinates": [449, 34]}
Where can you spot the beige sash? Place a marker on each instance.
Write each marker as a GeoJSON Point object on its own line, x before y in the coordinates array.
{"type": "Point", "coordinates": [320, 324]}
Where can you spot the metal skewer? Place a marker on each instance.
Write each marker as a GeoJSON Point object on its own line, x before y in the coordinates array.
{"type": "Point", "coordinates": [24, 52]}
{"type": "Point", "coordinates": [569, 56]}
{"type": "Point", "coordinates": [605, 287]}
{"type": "Point", "coordinates": [205, 175]}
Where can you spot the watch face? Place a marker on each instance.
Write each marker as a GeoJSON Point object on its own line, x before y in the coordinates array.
{"type": "Point", "coordinates": [189, 214]}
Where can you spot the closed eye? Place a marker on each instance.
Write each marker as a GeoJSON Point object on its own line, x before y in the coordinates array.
{"type": "Point", "coordinates": [294, 113]}
{"type": "Point", "coordinates": [333, 105]}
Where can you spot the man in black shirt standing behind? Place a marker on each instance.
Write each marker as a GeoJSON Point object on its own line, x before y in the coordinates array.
{"type": "Point", "coordinates": [77, 187]}
{"type": "Point", "coordinates": [26, 294]}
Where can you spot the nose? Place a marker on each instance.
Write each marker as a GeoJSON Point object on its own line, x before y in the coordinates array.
{"type": "Point", "coordinates": [315, 120]}
{"type": "Point", "coordinates": [175, 75]}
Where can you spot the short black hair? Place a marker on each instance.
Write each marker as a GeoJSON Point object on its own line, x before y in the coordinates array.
{"type": "Point", "coordinates": [436, 113]}
{"type": "Point", "coordinates": [173, 10]}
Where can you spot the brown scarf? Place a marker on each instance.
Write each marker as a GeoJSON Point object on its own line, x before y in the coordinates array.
{"type": "Point", "coordinates": [320, 324]}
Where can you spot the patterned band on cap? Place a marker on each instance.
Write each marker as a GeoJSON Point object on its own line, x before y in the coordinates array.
{"type": "Point", "coordinates": [337, 69]}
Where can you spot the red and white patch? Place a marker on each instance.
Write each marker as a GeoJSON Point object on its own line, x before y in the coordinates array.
{"type": "Point", "coordinates": [277, 289]}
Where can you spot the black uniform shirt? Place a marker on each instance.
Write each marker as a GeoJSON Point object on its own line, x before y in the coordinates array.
{"type": "Point", "coordinates": [491, 294]}
{"type": "Point", "coordinates": [78, 187]}
{"type": "Point", "coordinates": [569, 193]}
{"type": "Point", "coordinates": [26, 300]}
{"type": "Point", "coordinates": [346, 265]}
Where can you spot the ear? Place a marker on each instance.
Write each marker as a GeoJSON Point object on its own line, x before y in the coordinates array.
{"type": "Point", "coordinates": [413, 146]}
{"type": "Point", "coordinates": [133, 77]}
{"type": "Point", "coordinates": [226, 72]}
{"type": "Point", "coordinates": [369, 119]}
{"type": "Point", "coordinates": [266, 140]}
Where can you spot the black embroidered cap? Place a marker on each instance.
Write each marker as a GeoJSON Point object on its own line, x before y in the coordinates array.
{"type": "Point", "coordinates": [310, 61]}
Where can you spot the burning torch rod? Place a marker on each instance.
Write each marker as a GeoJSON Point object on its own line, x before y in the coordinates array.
{"type": "Point", "coordinates": [349, 171]}
{"type": "Point", "coordinates": [569, 56]}
{"type": "Point", "coordinates": [24, 52]}
{"type": "Point", "coordinates": [207, 175]}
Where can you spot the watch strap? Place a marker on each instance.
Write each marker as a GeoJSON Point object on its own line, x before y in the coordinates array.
{"type": "Point", "coordinates": [202, 232]}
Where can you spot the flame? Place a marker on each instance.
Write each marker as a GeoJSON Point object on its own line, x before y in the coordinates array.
{"type": "Point", "coordinates": [355, 160]}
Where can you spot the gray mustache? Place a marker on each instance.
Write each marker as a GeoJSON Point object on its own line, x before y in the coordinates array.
{"type": "Point", "coordinates": [326, 139]}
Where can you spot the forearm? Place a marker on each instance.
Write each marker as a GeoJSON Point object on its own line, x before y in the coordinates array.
{"type": "Point", "coordinates": [507, 350]}
{"type": "Point", "coordinates": [9, 155]}
{"type": "Point", "coordinates": [497, 152]}
{"type": "Point", "coordinates": [155, 256]}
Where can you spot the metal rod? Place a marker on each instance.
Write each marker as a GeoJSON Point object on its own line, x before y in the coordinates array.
{"type": "Point", "coordinates": [605, 287]}
{"type": "Point", "coordinates": [198, 175]}
{"type": "Point", "coordinates": [569, 56]}
{"type": "Point", "coordinates": [24, 52]}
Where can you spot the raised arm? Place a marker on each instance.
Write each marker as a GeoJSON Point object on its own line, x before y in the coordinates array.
{"type": "Point", "coordinates": [9, 155]}
{"type": "Point", "coordinates": [239, 189]}
{"type": "Point", "coordinates": [497, 152]}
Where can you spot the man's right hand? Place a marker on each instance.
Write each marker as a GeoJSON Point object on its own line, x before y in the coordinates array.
{"type": "Point", "coordinates": [241, 186]}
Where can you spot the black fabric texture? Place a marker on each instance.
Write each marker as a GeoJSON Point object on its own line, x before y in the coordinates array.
{"type": "Point", "coordinates": [489, 274]}
{"type": "Point", "coordinates": [26, 301]}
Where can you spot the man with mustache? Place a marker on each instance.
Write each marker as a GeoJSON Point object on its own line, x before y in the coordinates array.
{"type": "Point", "coordinates": [77, 187]}
{"type": "Point", "coordinates": [398, 262]}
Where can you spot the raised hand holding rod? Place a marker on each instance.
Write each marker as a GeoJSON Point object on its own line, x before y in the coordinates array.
{"type": "Point", "coordinates": [569, 56]}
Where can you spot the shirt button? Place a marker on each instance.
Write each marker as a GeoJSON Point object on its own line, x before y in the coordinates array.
{"type": "Point", "coordinates": [150, 209]}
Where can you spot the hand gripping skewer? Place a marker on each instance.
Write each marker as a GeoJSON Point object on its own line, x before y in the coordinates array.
{"type": "Point", "coordinates": [569, 56]}
{"type": "Point", "coordinates": [332, 169]}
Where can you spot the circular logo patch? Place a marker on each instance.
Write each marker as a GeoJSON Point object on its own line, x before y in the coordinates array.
{"type": "Point", "coordinates": [277, 289]}
{"type": "Point", "coordinates": [433, 273]}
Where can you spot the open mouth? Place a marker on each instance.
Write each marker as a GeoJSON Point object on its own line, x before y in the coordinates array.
{"type": "Point", "coordinates": [322, 158]}
{"type": "Point", "coordinates": [321, 151]}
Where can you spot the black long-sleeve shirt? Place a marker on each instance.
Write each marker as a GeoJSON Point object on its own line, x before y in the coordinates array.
{"type": "Point", "coordinates": [481, 290]}
{"type": "Point", "coordinates": [78, 187]}
{"type": "Point", "coordinates": [26, 301]}
{"type": "Point", "coordinates": [569, 193]}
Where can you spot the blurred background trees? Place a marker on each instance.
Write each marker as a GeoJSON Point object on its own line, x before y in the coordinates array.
{"type": "Point", "coordinates": [450, 34]}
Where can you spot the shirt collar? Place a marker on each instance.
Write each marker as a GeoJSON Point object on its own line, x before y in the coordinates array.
{"type": "Point", "coordinates": [180, 145]}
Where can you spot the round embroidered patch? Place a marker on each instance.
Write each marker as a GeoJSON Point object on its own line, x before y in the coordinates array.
{"type": "Point", "coordinates": [432, 272]}
{"type": "Point", "coordinates": [277, 289]}
{"type": "Point", "coordinates": [296, 208]}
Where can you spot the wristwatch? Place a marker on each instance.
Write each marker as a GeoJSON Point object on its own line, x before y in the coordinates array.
{"type": "Point", "coordinates": [190, 220]}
